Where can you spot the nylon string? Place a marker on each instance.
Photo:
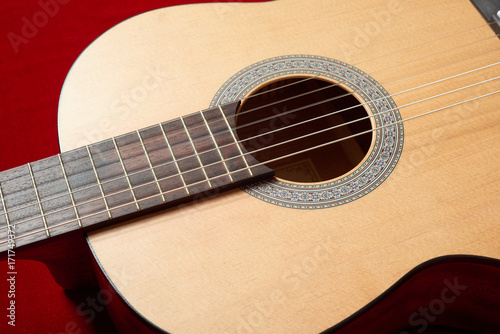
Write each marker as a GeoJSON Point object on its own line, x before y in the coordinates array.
{"type": "Point", "coordinates": [127, 175]}
{"type": "Point", "coordinates": [38, 202]}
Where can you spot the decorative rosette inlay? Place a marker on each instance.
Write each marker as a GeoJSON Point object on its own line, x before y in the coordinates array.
{"type": "Point", "coordinates": [382, 158]}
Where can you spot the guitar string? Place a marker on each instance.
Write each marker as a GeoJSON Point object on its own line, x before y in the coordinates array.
{"type": "Point", "coordinates": [362, 103]}
{"type": "Point", "coordinates": [309, 92]}
{"type": "Point", "coordinates": [369, 116]}
{"type": "Point", "coordinates": [258, 164]}
{"type": "Point", "coordinates": [266, 133]}
{"type": "Point", "coordinates": [20, 208]}
{"type": "Point", "coordinates": [343, 82]}
{"type": "Point", "coordinates": [254, 151]}
{"type": "Point", "coordinates": [482, 26]}
{"type": "Point", "coordinates": [389, 54]}
{"type": "Point", "coordinates": [371, 130]}
{"type": "Point", "coordinates": [339, 84]}
{"type": "Point", "coordinates": [356, 91]}
{"type": "Point", "coordinates": [371, 74]}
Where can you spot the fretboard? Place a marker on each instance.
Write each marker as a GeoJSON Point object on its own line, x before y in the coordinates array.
{"type": "Point", "coordinates": [147, 169]}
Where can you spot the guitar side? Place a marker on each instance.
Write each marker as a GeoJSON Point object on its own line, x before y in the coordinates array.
{"type": "Point", "coordinates": [234, 261]}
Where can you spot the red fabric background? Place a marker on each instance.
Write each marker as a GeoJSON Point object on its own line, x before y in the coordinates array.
{"type": "Point", "coordinates": [39, 41]}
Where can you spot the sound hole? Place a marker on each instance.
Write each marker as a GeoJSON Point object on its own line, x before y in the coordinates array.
{"type": "Point", "coordinates": [314, 110]}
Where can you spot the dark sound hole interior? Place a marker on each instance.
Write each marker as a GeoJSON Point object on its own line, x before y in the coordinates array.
{"type": "Point", "coordinates": [267, 118]}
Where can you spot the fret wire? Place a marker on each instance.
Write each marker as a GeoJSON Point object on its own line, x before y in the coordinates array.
{"type": "Point", "coordinates": [337, 140]}
{"type": "Point", "coordinates": [217, 146]}
{"type": "Point", "coordinates": [185, 187]}
{"type": "Point", "coordinates": [441, 94]}
{"type": "Point", "coordinates": [392, 124]}
{"type": "Point", "coordinates": [10, 228]}
{"type": "Point", "coordinates": [140, 200]}
{"type": "Point", "coordinates": [124, 205]}
{"type": "Point", "coordinates": [151, 165]}
{"type": "Point", "coordinates": [356, 91]}
{"type": "Point", "coordinates": [262, 163]}
{"type": "Point", "coordinates": [126, 175]}
{"type": "Point", "coordinates": [235, 140]}
{"type": "Point", "coordinates": [175, 160]}
{"type": "Point", "coordinates": [196, 152]}
{"type": "Point", "coordinates": [70, 191]}
{"type": "Point", "coordinates": [98, 181]}
{"type": "Point", "coordinates": [302, 151]}
{"type": "Point", "coordinates": [44, 219]}
{"type": "Point", "coordinates": [428, 84]}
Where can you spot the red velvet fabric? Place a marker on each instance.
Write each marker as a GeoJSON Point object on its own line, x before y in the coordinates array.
{"type": "Point", "coordinates": [39, 41]}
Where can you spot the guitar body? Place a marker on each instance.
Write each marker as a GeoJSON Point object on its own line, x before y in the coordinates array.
{"type": "Point", "coordinates": [234, 263]}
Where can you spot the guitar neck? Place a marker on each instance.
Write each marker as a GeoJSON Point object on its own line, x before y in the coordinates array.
{"type": "Point", "coordinates": [152, 168]}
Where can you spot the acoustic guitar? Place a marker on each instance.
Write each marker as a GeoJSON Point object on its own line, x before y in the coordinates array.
{"type": "Point", "coordinates": [306, 155]}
